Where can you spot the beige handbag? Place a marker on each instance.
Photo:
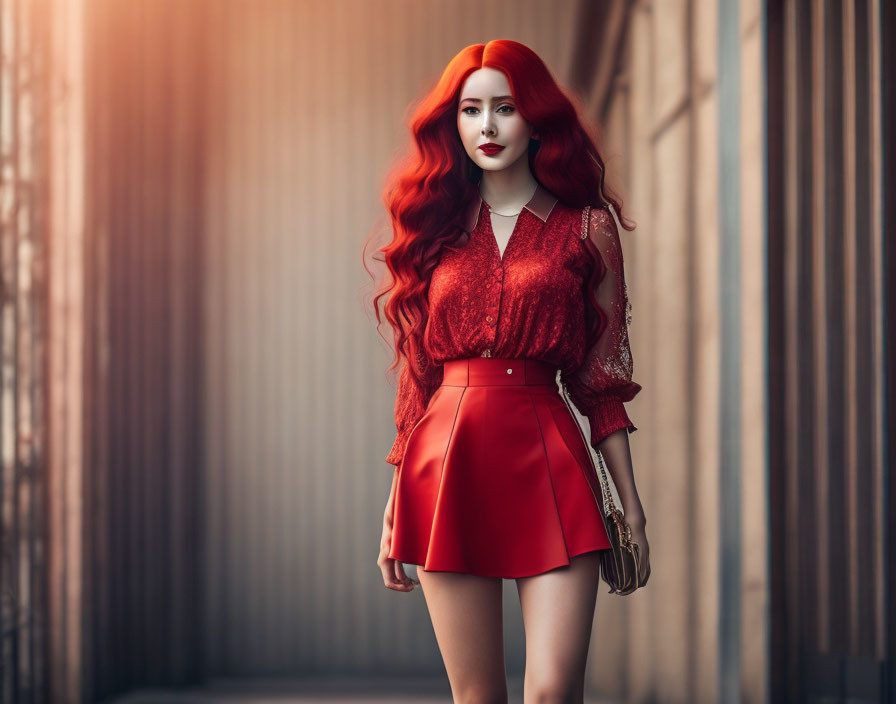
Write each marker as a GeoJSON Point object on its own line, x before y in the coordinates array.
{"type": "Point", "coordinates": [621, 566]}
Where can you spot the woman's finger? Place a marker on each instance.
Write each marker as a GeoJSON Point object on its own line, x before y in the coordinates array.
{"type": "Point", "coordinates": [402, 576]}
{"type": "Point", "coordinates": [390, 579]}
{"type": "Point", "coordinates": [645, 565]}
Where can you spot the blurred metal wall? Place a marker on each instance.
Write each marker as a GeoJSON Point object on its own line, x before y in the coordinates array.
{"type": "Point", "coordinates": [831, 278]}
{"type": "Point", "coordinates": [28, 594]}
{"type": "Point", "coordinates": [678, 87]}
{"type": "Point", "coordinates": [143, 133]}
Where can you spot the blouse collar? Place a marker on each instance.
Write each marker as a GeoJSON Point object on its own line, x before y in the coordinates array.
{"type": "Point", "coordinates": [540, 204]}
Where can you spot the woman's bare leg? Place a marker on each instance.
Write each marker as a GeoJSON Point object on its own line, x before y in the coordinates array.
{"type": "Point", "coordinates": [558, 610]}
{"type": "Point", "coordinates": [466, 613]}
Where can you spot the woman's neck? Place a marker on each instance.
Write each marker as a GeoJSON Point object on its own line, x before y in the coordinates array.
{"type": "Point", "coordinates": [510, 188]}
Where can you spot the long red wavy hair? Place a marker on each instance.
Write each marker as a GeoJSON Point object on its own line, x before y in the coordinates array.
{"type": "Point", "coordinates": [429, 189]}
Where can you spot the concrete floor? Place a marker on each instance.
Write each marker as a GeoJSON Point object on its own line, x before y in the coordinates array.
{"type": "Point", "coordinates": [333, 691]}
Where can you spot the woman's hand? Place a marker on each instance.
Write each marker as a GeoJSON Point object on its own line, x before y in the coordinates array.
{"type": "Point", "coordinates": [394, 576]}
{"type": "Point", "coordinates": [637, 522]}
{"type": "Point", "coordinates": [617, 454]}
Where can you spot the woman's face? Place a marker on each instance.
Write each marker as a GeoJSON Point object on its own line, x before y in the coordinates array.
{"type": "Point", "coordinates": [487, 115]}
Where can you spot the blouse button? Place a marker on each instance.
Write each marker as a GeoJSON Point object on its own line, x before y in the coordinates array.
{"type": "Point", "coordinates": [488, 318]}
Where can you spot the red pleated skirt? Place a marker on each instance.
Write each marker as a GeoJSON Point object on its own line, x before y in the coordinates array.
{"type": "Point", "coordinates": [496, 479]}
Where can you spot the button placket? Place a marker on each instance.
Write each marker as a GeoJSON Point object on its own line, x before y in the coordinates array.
{"type": "Point", "coordinates": [495, 287]}
{"type": "Point", "coordinates": [492, 317]}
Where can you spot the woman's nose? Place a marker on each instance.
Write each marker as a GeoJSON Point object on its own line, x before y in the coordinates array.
{"type": "Point", "coordinates": [488, 125]}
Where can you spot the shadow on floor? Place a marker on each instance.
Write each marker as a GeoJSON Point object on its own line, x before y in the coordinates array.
{"type": "Point", "coordinates": [405, 690]}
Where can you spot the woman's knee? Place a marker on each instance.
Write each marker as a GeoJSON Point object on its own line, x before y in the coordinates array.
{"type": "Point", "coordinates": [548, 689]}
{"type": "Point", "coordinates": [482, 692]}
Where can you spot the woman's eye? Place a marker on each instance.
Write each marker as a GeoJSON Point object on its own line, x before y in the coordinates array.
{"type": "Point", "coordinates": [500, 108]}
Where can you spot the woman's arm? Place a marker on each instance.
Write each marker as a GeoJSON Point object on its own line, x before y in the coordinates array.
{"type": "Point", "coordinates": [411, 399]}
{"type": "Point", "coordinates": [394, 576]}
{"type": "Point", "coordinates": [617, 455]}
{"type": "Point", "coordinates": [600, 388]}
{"type": "Point", "coordinates": [603, 383]}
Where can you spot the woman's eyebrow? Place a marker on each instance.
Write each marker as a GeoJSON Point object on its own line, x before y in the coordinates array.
{"type": "Point", "coordinates": [497, 97]}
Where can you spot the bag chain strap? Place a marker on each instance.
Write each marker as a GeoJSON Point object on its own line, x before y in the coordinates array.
{"type": "Point", "coordinates": [604, 483]}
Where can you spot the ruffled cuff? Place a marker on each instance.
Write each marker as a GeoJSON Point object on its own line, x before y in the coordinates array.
{"type": "Point", "coordinates": [396, 454]}
{"type": "Point", "coordinates": [608, 416]}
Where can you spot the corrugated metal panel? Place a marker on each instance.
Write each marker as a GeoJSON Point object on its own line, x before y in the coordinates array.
{"type": "Point", "coordinates": [682, 110]}
{"type": "Point", "coordinates": [143, 141]}
{"type": "Point", "coordinates": [828, 353]}
{"type": "Point", "coordinates": [33, 139]}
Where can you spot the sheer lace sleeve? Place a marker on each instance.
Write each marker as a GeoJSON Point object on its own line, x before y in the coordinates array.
{"type": "Point", "coordinates": [604, 381]}
{"type": "Point", "coordinates": [411, 400]}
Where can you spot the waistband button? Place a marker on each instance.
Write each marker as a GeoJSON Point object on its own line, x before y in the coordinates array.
{"type": "Point", "coordinates": [510, 371]}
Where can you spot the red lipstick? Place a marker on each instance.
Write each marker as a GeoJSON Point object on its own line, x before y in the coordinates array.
{"type": "Point", "coordinates": [491, 148]}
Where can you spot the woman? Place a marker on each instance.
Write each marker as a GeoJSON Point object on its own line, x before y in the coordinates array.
{"type": "Point", "coordinates": [507, 271]}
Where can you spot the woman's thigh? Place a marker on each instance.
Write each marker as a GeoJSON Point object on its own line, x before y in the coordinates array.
{"type": "Point", "coordinates": [466, 613]}
{"type": "Point", "coordinates": [558, 610]}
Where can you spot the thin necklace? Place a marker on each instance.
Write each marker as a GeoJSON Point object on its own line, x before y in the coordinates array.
{"type": "Point", "coordinates": [510, 215]}
{"type": "Point", "coordinates": [506, 215]}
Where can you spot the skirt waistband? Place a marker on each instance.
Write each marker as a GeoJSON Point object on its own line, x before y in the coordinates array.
{"type": "Point", "coordinates": [492, 371]}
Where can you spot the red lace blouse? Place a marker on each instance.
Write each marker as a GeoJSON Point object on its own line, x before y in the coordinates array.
{"type": "Point", "coordinates": [530, 303]}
